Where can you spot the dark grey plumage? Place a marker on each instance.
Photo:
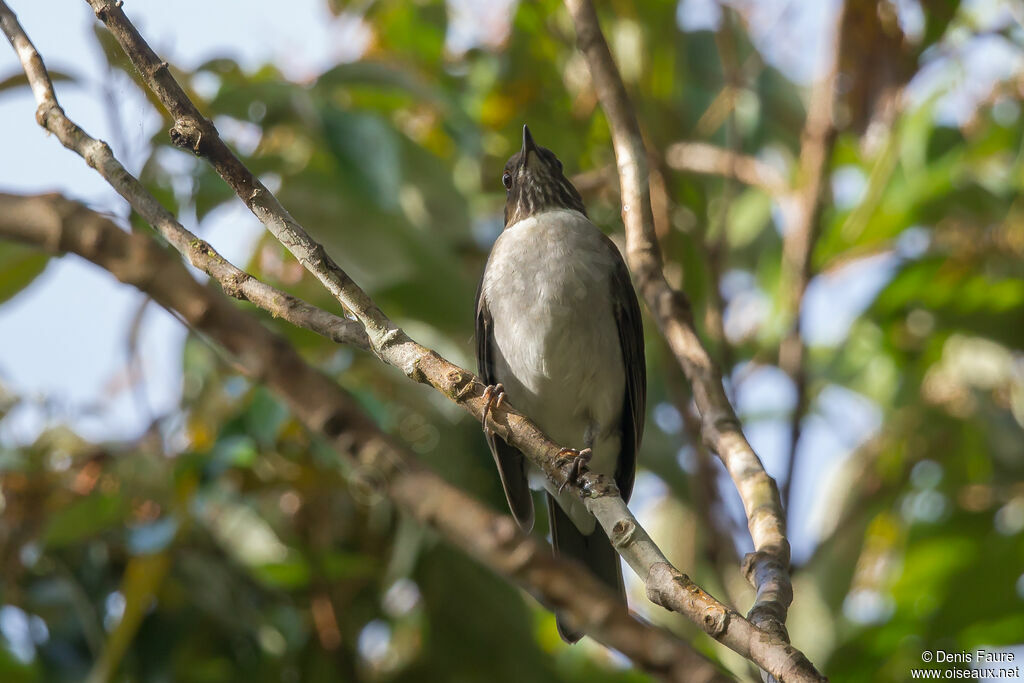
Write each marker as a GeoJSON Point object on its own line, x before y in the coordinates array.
{"type": "Point", "coordinates": [558, 324]}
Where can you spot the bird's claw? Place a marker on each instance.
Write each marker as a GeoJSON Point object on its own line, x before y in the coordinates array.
{"type": "Point", "coordinates": [578, 460]}
{"type": "Point", "coordinates": [494, 394]}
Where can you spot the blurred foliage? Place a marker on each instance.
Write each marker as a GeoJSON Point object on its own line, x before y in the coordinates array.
{"type": "Point", "coordinates": [19, 266]}
{"type": "Point", "coordinates": [224, 544]}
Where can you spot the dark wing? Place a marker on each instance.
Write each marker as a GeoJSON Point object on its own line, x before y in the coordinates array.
{"type": "Point", "coordinates": [631, 338]}
{"type": "Point", "coordinates": [510, 462]}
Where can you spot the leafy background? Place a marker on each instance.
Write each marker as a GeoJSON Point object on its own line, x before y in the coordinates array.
{"type": "Point", "coordinates": [220, 541]}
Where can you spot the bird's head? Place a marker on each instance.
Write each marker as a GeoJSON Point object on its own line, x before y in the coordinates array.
{"type": "Point", "coordinates": [534, 183]}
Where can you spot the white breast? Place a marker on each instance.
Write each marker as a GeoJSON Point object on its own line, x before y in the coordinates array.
{"type": "Point", "coordinates": [555, 340]}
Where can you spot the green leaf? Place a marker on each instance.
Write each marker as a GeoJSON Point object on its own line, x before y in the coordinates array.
{"type": "Point", "coordinates": [14, 671]}
{"type": "Point", "coordinates": [233, 451]}
{"type": "Point", "coordinates": [938, 15]}
{"type": "Point", "coordinates": [290, 574]}
{"type": "Point", "coordinates": [18, 79]}
{"type": "Point", "coordinates": [83, 519]}
{"type": "Point", "coordinates": [340, 565]}
{"type": "Point", "coordinates": [366, 148]}
{"type": "Point", "coordinates": [19, 266]}
{"type": "Point", "coordinates": [748, 216]}
{"type": "Point", "coordinates": [264, 417]}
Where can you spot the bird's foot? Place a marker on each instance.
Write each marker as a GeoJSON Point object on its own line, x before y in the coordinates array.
{"type": "Point", "coordinates": [494, 394]}
{"type": "Point", "coordinates": [578, 459]}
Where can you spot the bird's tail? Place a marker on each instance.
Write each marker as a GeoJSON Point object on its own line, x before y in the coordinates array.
{"type": "Point", "coordinates": [593, 550]}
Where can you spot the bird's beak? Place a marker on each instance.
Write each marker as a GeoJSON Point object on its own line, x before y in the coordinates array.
{"type": "Point", "coordinates": [528, 145]}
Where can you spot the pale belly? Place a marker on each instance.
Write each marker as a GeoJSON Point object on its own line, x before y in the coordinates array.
{"type": "Point", "coordinates": [555, 339]}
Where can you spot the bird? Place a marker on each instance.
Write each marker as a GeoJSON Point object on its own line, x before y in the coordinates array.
{"type": "Point", "coordinates": [559, 337]}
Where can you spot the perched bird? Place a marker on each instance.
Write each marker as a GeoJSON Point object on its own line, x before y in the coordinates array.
{"type": "Point", "coordinates": [558, 334]}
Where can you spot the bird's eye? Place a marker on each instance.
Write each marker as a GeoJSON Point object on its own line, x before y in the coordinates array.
{"type": "Point", "coordinates": [559, 163]}
{"type": "Point", "coordinates": [506, 180]}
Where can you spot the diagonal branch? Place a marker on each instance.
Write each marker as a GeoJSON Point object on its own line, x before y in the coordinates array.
{"type": "Point", "coordinates": [58, 225]}
{"type": "Point", "coordinates": [768, 566]}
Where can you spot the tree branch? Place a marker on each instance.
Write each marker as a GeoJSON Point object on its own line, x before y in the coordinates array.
{"type": "Point", "coordinates": [699, 157]}
{"type": "Point", "coordinates": [59, 225]}
{"type": "Point", "coordinates": [702, 157]}
{"type": "Point", "coordinates": [768, 566]}
{"type": "Point", "coordinates": [798, 241]}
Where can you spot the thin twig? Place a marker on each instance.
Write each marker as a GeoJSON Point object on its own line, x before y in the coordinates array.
{"type": "Point", "coordinates": [798, 241]}
{"type": "Point", "coordinates": [698, 157]}
{"type": "Point", "coordinates": [715, 252]}
{"type": "Point", "coordinates": [718, 547]}
{"type": "Point", "coordinates": [768, 566]}
{"type": "Point", "coordinates": [382, 467]}
{"type": "Point", "coordinates": [703, 157]}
